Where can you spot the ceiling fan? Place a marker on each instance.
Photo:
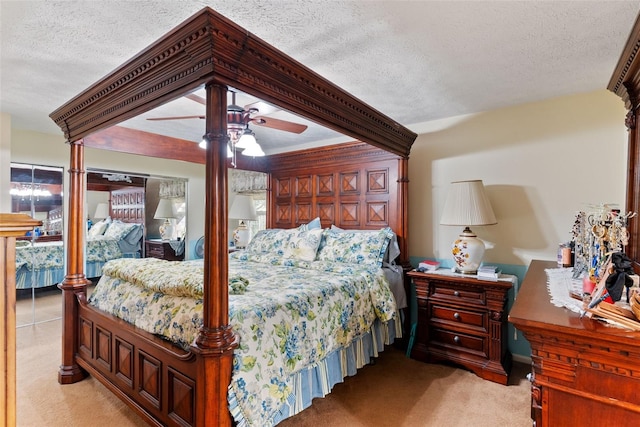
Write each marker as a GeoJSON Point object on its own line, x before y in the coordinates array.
{"type": "Point", "coordinates": [238, 118]}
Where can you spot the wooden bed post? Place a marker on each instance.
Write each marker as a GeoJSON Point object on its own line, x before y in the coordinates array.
{"type": "Point", "coordinates": [216, 340]}
{"type": "Point", "coordinates": [75, 283]}
{"type": "Point", "coordinates": [403, 202]}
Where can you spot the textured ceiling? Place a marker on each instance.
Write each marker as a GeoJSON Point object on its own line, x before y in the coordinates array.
{"type": "Point", "coordinates": [414, 61]}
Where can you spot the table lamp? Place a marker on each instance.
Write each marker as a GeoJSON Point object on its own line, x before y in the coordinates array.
{"type": "Point", "coordinates": [165, 211]}
{"type": "Point", "coordinates": [242, 208]}
{"type": "Point", "coordinates": [102, 211]}
{"type": "Point", "coordinates": [466, 205]}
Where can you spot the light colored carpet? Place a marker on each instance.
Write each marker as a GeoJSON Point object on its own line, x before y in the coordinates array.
{"type": "Point", "coordinates": [395, 391]}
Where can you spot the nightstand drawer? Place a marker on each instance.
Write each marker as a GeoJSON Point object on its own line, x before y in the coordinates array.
{"type": "Point", "coordinates": [457, 294]}
{"type": "Point", "coordinates": [458, 316]}
{"type": "Point", "coordinates": [155, 251]}
{"type": "Point", "coordinates": [162, 249]}
{"type": "Point", "coordinates": [462, 342]}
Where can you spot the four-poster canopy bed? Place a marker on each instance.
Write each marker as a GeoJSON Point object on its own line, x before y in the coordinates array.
{"type": "Point", "coordinates": [362, 185]}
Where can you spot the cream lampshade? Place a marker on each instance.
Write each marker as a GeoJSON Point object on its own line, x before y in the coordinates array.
{"type": "Point", "coordinates": [466, 205]}
{"type": "Point", "coordinates": [242, 208]}
{"type": "Point", "coordinates": [165, 211]}
{"type": "Point", "coordinates": [102, 211]}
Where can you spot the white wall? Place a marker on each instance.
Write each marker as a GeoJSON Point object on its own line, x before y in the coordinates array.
{"type": "Point", "coordinates": [5, 162]}
{"type": "Point", "coordinates": [540, 162]}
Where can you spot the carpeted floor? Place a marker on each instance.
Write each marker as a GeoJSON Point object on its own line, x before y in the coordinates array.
{"type": "Point", "coordinates": [395, 391]}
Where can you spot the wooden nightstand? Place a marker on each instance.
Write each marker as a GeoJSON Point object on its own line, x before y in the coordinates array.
{"type": "Point", "coordinates": [462, 320]}
{"type": "Point", "coordinates": [161, 249]}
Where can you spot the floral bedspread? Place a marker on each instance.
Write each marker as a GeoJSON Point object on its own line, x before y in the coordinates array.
{"type": "Point", "coordinates": [51, 254]}
{"type": "Point", "coordinates": [290, 315]}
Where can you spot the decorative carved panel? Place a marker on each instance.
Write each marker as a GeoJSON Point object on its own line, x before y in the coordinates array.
{"type": "Point", "coordinates": [325, 185]}
{"type": "Point", "coordinates": [304, 186]}
{"type": "Point", "coordinates": [103, 347]}
{"type": "Point", "coordinates": [283, 187]}
{"type": "Point", "coordinates": [124, 362]}
{"type": "Point", "coordinates": [283, 213]}
{"type": "Point", "coordinates": [378, 181]}
{"type": "Point", "coordinates": [127, 205]}
{"type": "Point", "coordinates": [181, 398]}
{"type": "Point", "coordinates": [85, 337]}
{"type": "Point", "coordinates": [349, 214]}
{"type": "Point", "coordinates": [349, 183]}
{"type": "Point", "coordinates": [326, 212]}
{"type": "Point", "coordinates": [303, 213]}
{"type": "Point", "coordinates": [150, 384]}
{"type": "Point", "coordinates": [377, 213]}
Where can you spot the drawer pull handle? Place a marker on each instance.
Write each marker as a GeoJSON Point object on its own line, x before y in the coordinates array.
{"type": "Point", "coordinates": [456, 294]}
{"type": "Point", "coordinates": [456, 316]}
{"type": "Point", "coordinates": [456, 339]}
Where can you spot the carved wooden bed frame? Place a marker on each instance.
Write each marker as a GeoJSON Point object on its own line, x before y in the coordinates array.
{"type": "Point", "coordinates": [355, 186]}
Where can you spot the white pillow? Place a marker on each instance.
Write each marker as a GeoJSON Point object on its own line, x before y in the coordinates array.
{"type": "Point", "coordinates": [98, 228]}
{"type": "Point", "coordinates": [303, 244]}
{"type": "Point", "coordinates": [118, 230]}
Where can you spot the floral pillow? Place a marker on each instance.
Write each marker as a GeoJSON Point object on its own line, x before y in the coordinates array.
{"type": "Point", "coordinates": [118, 230]}
{"type": "Point", "coordinates": [390, 254]}
{"type": "Point", "coordinates": [303, 244]}
{"type": "Point", "coordinates": [271, 240]}
{"type": "Point", "coordinates": [355, 247]}
{"type": "Point", "coordinates": [98, 228]}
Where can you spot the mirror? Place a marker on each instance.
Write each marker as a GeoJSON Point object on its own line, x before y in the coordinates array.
{"type": "Point", "coordinates": [156, 203]}
{"type": "Point", "coordinates": [37, 191]}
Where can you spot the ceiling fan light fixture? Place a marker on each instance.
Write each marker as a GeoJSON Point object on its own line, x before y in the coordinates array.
{"type": "Point", "coordinates": [203, 144]}
{"type": "Point", "coordinates": [253, 150]}
{"type": "Point", "coordinates": [247, 139]}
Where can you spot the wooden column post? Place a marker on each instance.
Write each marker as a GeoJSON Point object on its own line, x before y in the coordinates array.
{"type": "Point", "coordinates": [403, 202]}
{"type": "Point", "coordinates": [216, 340]}
{"type": "Point", "coordinates": [75, 283]}
{"type": "Point", "coordinates": [11, 225]}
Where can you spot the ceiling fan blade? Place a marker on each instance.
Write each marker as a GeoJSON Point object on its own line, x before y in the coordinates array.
{"type": "Point", "coordinates": [279, 124]}
{"type": "Point", "coordinates": [196, 98]}
{"type": "Point", "coordinates": [175, 118]}
{"type": "Point", "coordinates": [262, 107]}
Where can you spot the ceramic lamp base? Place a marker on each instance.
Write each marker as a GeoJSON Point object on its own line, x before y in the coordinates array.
{"type": "Point", "coordinates": [241, 236]}
{"type": "Point", "coordinates": [166, 230]}
{"type": "Point", "coordinates": [467, 252]}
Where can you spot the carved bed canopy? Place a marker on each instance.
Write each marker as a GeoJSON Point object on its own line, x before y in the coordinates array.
{"type": "Point", "coordinates": [210, 48]}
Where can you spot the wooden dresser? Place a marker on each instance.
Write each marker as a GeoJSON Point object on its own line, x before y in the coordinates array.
{"type": "Point", "coordinates": [463, 320]}
{"type": "Point", "coordinates": [585, 373]}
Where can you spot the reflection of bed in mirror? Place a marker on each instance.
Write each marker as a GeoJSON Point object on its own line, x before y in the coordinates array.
{"type": "Point", "coordinates": [41, 263]}
{"type": "Point", "coordinates": [355, 186]}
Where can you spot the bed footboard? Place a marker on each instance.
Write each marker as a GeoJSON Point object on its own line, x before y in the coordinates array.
{"type": "Point", "coordinates": [155, 378]}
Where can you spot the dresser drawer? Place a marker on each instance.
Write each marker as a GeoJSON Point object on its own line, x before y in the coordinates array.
{"type": "Point", "coordinates": [457, 316]}
{"type": "Point", "coordinates": [476, 345]}
{"type": "Point", "coordinates": [456, 294]}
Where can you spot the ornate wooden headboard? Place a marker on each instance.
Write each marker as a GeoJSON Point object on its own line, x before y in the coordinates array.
{"type": "Point", "coordinates": [127, 205]}
{"type": "Point", "coordinates": [354, 186]}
